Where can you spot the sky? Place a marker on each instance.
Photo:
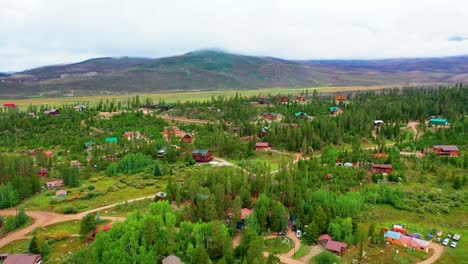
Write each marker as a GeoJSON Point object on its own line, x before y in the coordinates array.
{"type": "Point", "coordinates": [45, 32]}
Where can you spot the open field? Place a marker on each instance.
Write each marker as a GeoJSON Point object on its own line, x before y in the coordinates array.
{"type": "Point", "coordinates": [179, 96]}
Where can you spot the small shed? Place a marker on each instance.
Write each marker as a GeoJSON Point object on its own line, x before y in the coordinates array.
{"type": "Point", "coordinates": [245, 212]}
{"type": "Point", "coordinates": [52, 112]}
{"type": "Point", "coordinates": [335, 110]}
{"type": "Point", "coordinates": [382, 168]}
{"type": "Point", "coordinates": [49, 153]}
{"type": "Point", "coordinates": [54, 184]}
{"type": "Point", "coordinates": [111, 140]}
{"type": "Point", "coordinates": [75, 164]}
{"type": "Point", "coordinates": [340, 97]}
{"type": "Point", "coordinates": [270, 115]}
{"type": "Point", "coordinates": [161, 153]}
{"type": "Point", "coordinates": [378, 123]}
{"type": "Point", "coordinates": [42, 172]}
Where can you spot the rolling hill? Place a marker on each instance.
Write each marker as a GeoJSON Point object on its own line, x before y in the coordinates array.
{"type": "Point", "coordinates": [207, 70]}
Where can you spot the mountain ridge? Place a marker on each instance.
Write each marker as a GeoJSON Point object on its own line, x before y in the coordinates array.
{"type": "Point", "coordinates": [208, 70]}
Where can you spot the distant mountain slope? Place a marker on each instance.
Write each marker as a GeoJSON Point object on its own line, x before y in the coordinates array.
{"type": "Point", "coordinates": [204, 70]}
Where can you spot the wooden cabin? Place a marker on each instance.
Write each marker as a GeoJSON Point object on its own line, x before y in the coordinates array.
{"type": "Point", "coordinates": [382, 168]}
{"type": "Point", "coordinates": [262, 146]}
{"type": "Point", "coordinates": [446, 150]}
{"type": "Point", "coordinates": [202, 155]}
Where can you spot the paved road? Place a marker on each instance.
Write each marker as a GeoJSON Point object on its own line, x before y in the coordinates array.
{"type": "Point", "coordinates": [44, 218]}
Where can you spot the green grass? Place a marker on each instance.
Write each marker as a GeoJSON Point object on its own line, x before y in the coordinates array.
{"type": "Point", "coordinates": [70, 227]}
{"type": "Point", "coordinates": [279, 245]}
{"type": "Point", "coordinates": [18, 246]}
{"type": "Point", "coordinates": [43, 201]}
{"type": "Point", "coordinates": [303, 251]}
{"type": "Point", "coordinates": [125, 208]}
{"type": "Point", "coordinates": [263, 158]}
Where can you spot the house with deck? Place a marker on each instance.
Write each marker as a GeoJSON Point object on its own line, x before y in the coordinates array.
{"type": "Point", "coordinates": [202, 155]}
{"type": "Point", "coordinates": [54, 184]}
{"type": "Point", "coordinates": [131, 135]}
{"type": "Point", "coordinates": [446, 150]}
{"type": "Point", "coordinates": [413, 243]}
{"type": "Point", "coordinates": [187, 138]}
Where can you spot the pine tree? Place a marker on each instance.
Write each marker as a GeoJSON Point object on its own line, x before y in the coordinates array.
{"type": "Point", "coordinates": [33, 247]}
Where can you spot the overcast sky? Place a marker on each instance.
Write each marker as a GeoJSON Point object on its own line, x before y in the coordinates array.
{"type": "Point", "coordinates": [43, 32]}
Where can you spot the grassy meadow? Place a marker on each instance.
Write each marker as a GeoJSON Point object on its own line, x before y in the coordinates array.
{"type": "Point", "coordinates": [176, 96]}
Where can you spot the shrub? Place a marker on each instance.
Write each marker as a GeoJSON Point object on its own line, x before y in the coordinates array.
{"type": "Point", "coordinates": [90, 187]}
{"type": "Point", "coordinates": [67, 209]}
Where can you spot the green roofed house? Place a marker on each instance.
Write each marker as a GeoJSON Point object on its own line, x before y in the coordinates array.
{"type": "Point", "coordinates": [111, 140]}
{"type": "Point", "coordinates": [89, 144]}
{"type": "Point", "coordinates": [439, 121]}
{"type": "Point", "coordinates": [334, 110]}
{"type": "Point", "coordinates": [299, 114]}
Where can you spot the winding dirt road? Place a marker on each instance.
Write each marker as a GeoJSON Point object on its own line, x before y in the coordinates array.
{"type": "Point", "coordinates": [44, 218]}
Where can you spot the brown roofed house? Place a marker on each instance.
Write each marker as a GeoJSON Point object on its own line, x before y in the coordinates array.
{"type": "Point", "coordinates": [262, 146]}
{"type": "Point", "coordinates": [336, 247]}
{"type": "Point", "coordinates": [23, 259]}
{"type": "Point", "coordinates": [446, 150]}
{"type": "Point", "coordinates": [382, 168]}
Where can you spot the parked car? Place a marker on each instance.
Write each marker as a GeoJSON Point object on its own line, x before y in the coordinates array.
{"type": "Point", "coordinates": [456, 237]}
{"type": "Point", "coordinates": [298, 233]}
{"type": "Point", "coordinates": [445, 242]}
{"type": "Point", "coordinates": [438, 240]}
{"type": "Point", "coordinates": [348, 164]}
{"type": "Point", "coordinates": [449, 235]}
{"type": "Point", "coordinates": [282, 233]}
{"type": "Point", "coordinates": [453, 245]}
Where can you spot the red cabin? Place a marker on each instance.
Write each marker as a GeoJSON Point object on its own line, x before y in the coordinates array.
{"type": "Point", "coordinates": [446, 150]}
{"type": "Point", "coordinates": [187, 138]}
{"type": "Point", "coordinates": [340, 97]}
{"type": "Point", "coordinates": [382, 168]}
{"type": "Point", "coordinates": [42, 172]}
{"type": "Point", "coordinates": [12, 105]}
{"type": "Point", "coordinates": [99, 228]}
{"type": "Point", "coordinates": [202, 155]}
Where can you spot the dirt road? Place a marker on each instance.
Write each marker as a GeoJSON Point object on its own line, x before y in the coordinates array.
{"type": "Point", "coordinates": [438, 250]}
{"type": "Point", "coordinates": [43, 218]}
{"type": "Point", "coordinates": [186, 120]}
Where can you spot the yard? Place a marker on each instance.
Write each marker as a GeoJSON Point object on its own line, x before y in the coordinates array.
{"type": "Point", "coordinates": [104, 191]}
{"type": "Point", "coordinates": [385, 216]}
{"type": "Point", "coordinates": [279, 245]}
{"type": "Point", "coordinates": [271, 159]}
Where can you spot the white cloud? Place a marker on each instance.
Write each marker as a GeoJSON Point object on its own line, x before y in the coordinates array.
{"type": "Point", "coordinates": [38, 32]}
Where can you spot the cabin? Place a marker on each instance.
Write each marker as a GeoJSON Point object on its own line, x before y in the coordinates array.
{"type": "Point", "coordinates": [165, 107]}
{"type": "Point", "coordinates": [75, 164]}
{"type": "Point", "coordinates": [323, 239]}
{"type": "Point", "coordinates": [54, 184]}
{"type": "Point", "coordinates": [263, 100]}
{"type": "Point", "coordinates": [300, 114]}
{"type": "Point", "coordinates": [329, 176]}
{"type": "Point", "coordinates": [49, 154]}
{"type": "Point", "coordinates": [80, 107]}
{"type": "Point", "coordinates": [400, 239]}
{"type": "Point", "coordinates": [11, 105]}
{"type": "Point", "coordinates": [335, 110]}
{"type": "Point", "coordinates": [171, 259]}
{"type": "Point", "coordinates": [52, 112]}
{"type": "Point", "coordinates": [42, 172]}
{"type": "Point", "coordinates": [187, 138]}
{"type": "Point", "coordinates": [262, 146]}
{"type": "Point", "coordinates": [111, 140]}
{"type": "Point", "coordinates": [301, 99]}
{"type": "Point", "coordinates": [382, 168]}
{"type": "Point", "coordinates": [130, 135]}
{"type": "Point", "coordinates": [439, 122]}
{"type": "Point", "coordinates": [23, 259]}
{"type": "Point", "coordinates": [284, 99]}
{"type": "Point", "coordinates": [270, 115]}
{"type": "Point", "coordinates": [263, 132]}
{"type": "Point", "coordinates": [245, 212]}
{"type": "Point", "coordinates": [380, 156]}
{"type": "Point", "coordinates": [378, 123]}
{"type": "Point", "coordinates": [340, 97]}
{"type": "Point", "coordinates": [339, 248]}
{"type": "Point", "coordinates": [202, 155]}
{"type": "Point", "coordinates": [161, 196]}
{"type": "Point", "coordinates": [104, 228]}
{"type": "Point", "coordinates": [61, 193]}
{"type": "Point", "coordinates": [446, 150]}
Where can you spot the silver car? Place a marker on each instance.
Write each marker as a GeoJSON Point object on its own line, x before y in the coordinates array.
{"type": "Point", "coordinates": [445, 242]}
{"type": "Point", "coordinates": [453, 245]}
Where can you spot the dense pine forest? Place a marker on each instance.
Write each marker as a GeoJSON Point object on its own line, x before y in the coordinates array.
{"type": "Point", "coordinates": [317, 174]}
